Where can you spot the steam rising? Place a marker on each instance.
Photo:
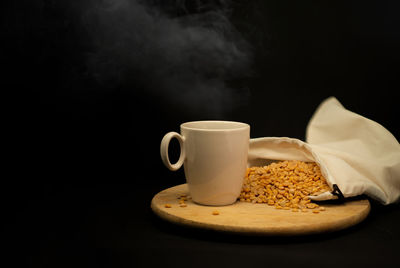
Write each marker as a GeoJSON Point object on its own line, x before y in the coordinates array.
{"type": "Point", "coordinates": [184, 52]}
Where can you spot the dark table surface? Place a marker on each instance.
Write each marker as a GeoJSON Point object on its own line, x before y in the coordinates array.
{"type": "Point", "coordinates": [94, 86]}
{"type": "Point", "coordinates": [112, 225]}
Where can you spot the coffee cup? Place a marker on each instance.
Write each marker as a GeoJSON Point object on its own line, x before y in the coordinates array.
{"type": "Point", "coordinates": [214, 156]}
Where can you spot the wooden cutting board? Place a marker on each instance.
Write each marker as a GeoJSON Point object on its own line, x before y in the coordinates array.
{"type": "Point", "coordinates": [257, 219]}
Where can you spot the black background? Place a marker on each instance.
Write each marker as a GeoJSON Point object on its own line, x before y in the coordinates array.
{"type": "Point", "coordinates": [82, 158]}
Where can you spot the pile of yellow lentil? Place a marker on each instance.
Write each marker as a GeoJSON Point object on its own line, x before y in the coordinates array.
{"type": "Point", "coordinates": [285, 185]}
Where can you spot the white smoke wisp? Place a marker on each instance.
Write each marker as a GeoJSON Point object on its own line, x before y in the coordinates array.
{"type": "Point", "coordinates": [185, 57]}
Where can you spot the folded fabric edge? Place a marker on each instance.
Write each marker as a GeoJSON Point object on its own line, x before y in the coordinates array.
{"type": "Point", "coordinates": [327, 101]}
{"type": "Point", "coordinates": [331, 102]}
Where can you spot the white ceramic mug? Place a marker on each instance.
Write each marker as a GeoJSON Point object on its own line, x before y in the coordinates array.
{"type": "Point", "coordinates": [214, 154]}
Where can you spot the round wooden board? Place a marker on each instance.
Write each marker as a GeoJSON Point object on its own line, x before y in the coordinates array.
{"type": "Point", "coordinates": [257, 219]}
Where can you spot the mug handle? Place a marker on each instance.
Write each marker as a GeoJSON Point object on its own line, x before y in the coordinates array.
{"type": "Point", "coordinates": [164, 150]}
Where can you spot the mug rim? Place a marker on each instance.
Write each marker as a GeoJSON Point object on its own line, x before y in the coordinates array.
{"type": "Point", "coordinates": [229, 125]}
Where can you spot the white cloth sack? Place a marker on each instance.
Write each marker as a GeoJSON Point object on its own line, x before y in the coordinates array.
{"type": "Point", "coordinates": [357, 154]}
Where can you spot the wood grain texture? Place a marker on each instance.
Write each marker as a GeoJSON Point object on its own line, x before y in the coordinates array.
{"type": "Point", "coordinates": [257, 219]}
